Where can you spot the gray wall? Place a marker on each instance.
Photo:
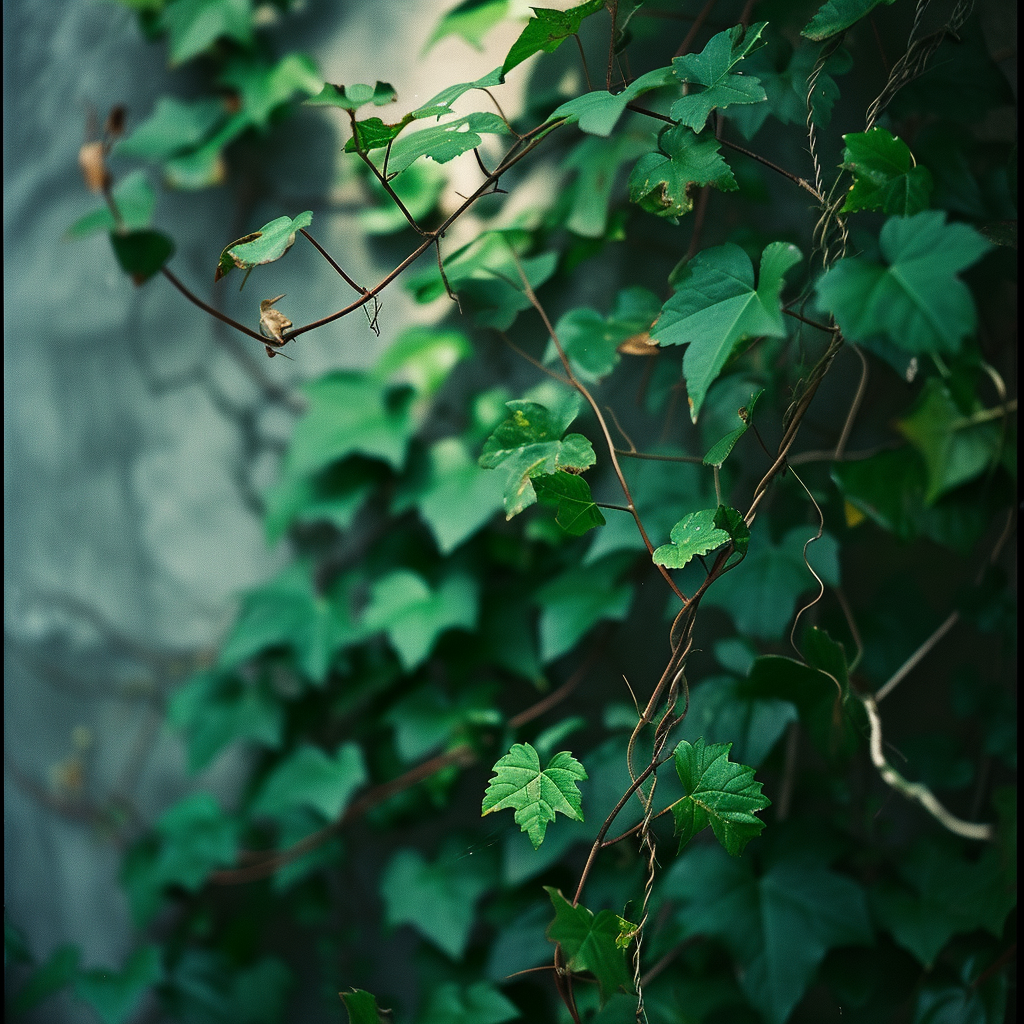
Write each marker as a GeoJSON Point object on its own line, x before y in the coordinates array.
{"type": "Point", "coordinates": [137, 432]}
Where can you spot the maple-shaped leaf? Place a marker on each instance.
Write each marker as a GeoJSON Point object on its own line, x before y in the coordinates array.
{"type": "Point", "coordinates": [528, 444]}
{"type": "Point", "coordinates": [701, 532]}
{"type": "Point", "coordinates": [716, 308]}
{"type": "Point", "coordinates": [719, 793]}
{"type": "Point", "coordinates": [592, 942]}
{"type": "Point", "coordinates": [547, 31]}
{"type": "Point", "coordinates": [662, 182]}
{"type": "Point", "coordinates": [712, 68]}
{"type": "Point", "coordinates": [887, 178]}
{"type": "Point", "coordinates": [268, 244]}
{"type": "Point", "coordinates": [535, 794]}
{"type": "Point", "coordinates": [263, 87]}
{"type": "Point", "coordinates": [598, 112]}
{"type": "Point", "coordinates": [916, 302]}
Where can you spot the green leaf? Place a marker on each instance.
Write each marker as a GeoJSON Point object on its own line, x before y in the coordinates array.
{"type": "Point", "coordinates": [372, 133]}
{"type": "Point", "coordinates": [414, 616]}
{"type": "Point", "coordinates": [350, 413]}
{"type": "Point", "coordinates": [194, 25]}
{"type": "Point", "coordinates": [716, 309]}
{"type": "Point", "coordinates": [441, 103]}
{"type": "Point", "coordinates": [480, 1003]}
{"type": "Point", "coordinates": [135, 201]}
{"type": "Point", "coordinates": [268, 244]}
{"type": "Point", "coordinates": [263, 87]}
{"type": "Point", "coordinates": [428, 719]}
{"type": "Point", "coordinates": [444, 142]}
{"type": "Point", "coordinates": [954, 448]}
{"type": "Point", "coordinates": [175, 126]}
{"type": "Point", "coordinates": [287, 611]}
{"type": "Point", "coordinates": [214, 709]}
{"type": "Point", "coordinates": [696, 534]}
{"type": "Point", "coordinates": [61, 969]}
{"type": "Point", "coordinates": [437, 899]}
{"type": "Point", "coordinates": [362, 1008]}
{"type": "Point", "coordinates": [597, 161]}
{"type": "Point", "coordinates": [719, 793]}
{"type": "Point", "coordinates": [354, 96]}
{"type": "Point", "coordinates": [309, 777]}
{"type": "Point", "coordinates": [836, 16]}
{"type": "Point", "coordinates": [591, 943]}
{"type": "Point", "coordinates": [779, 925]}
{"type": "Point", "coordinates": [193, 838]}
{"type": "Point", "coordinates": [598, 112]}
{"type": "Point", "coordinates": [547, 31]}
{"type": "Point", "coordinates": [722, 449]}
{"type": "Point", "coordinates": [887, 178]}
{"type": "Point", "coordinates": [712, 68]}
{"type": "Point", "coordinates": [591, 341]}
{"type": "Point", "coordinates": [535, 794]}
{"type": "Point", "coordinates": [422, 357]}
{"type": "Point", "coordinates": [458, 497]}
{"type": "Point", "coordinates": [760, 594]}
{"type": "Point", "coordinates": [577, 512]}
{"type": "Point", "coordinates": [917, 303]}
{"type": "Point", "coordinates": [580, 598]}
{"type": "Point", "coordinates": [662, 182]}
{"type": "Point", "coordinates": [116, 996]}
{"type": "Point", "coordinates": [471, 20]}
{"type": "Point", "coordinates": [141, 253]}
{"type": "Point", "coordinates": [526, 445]}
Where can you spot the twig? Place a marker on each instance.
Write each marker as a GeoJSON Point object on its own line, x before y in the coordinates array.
{"type": "Point", "coordinates": [330, 259]}
{"type": "Point", "coordinates": [912, 662]}
{"type": "Point", "coordinates": [583, 58]}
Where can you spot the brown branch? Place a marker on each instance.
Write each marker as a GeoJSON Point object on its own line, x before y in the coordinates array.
{"type": "Point", "coordinates": [330, 259]}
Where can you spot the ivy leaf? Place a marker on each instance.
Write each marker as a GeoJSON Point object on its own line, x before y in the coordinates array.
{"type": "Point", "coordinates": [528, 444]}
{"type": "Point", "coordinates": [214, 709]}
{"type": "Point", "coordinates": [350, 412]}
{"type": "Point", "coordinates": [141, 253]}
{"type": "Point", "coordinates": [264, 87]}
{"type": "Point", "coordinates": [422, 357]}
{"type": "Point", "coordinates": [480, 1003]}
{"type": "Point", "coordinates": [598, 112]}
{"type": "Point", "coordinates": [719, 793]}
{"type": "Point", "coordinates": [887, 178]}
{"type": "Point", "coordinates": [441, 103]}
{"type": "Point", "coordinates": [779, 925]}
{"type": "Point", "coordinates": [698, 533]}
{"type": "Point", "coordinates": [591, 943]}
{"type": "Point", "coordinates": [414, 616]}
{"type": "Point", "coordinates": [288, 612]}
{"type": "Point", "coordinates": [309, 777]}
{"type": "Point", "coordinates": [135, 201]}
{"type": "Point", "coordinates": [580, 598]}
{"type": "Point", "coordinates": [193, 838]}
{"type": "Point", "coordinates": [175, 126]}
{"type": "Point", "coordinates": [427, 719]}
{"type": "Point", "coordinates": [193, 25]}
{"type": "Point", "coordinates": [661, 182]}
{"type": "Point", "coordinates": [761, 593]}
{"type": "Point", "coordinates": [437, 899]}
{"type": "Point", "coordinates": [362, 1008]}
{"type": "Point", "coordinates": [457, 498]}
{"type": "Point", "coordinates": [591, 341]}
{"type": "Point", "coordinates": [712, 69]}
{"type": "Point", "coordinates": [354, 96]}
{"type": "Point", "coordinates": [444, 142]}
{"type": "Point", "coordinates": [547, 31]}
{"type": "Point", "coordinates": [716, 308]}
{"type": "Point", "coordinates": [268, 244]}
{"type": "Point", "coordinates": [471, 20]}
{"type": "Point", "coordinates": [836, 16]}
{"type": "Point", "coordinates": [597, 161]}
{"type": "Point", "coordinates": [115, 996]}
{"type": "Point", "coordinates": [535, 794]}
{"type": "Point", "coordinates": [577, 512]}
{"type": "Point", "coordinates": [916, 302]}
{"type": "Point", "coordinates": [722, 449]}
{"type": "Point", "coordinates": [954, 448]}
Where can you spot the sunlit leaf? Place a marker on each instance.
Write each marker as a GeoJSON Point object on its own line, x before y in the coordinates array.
{"type": "Point", "coordinates": [193, 25]}
{"type": "Point", "coordinates": [268, 244]}
{"type": "Point", "coordinates": [547, 31]}
{"type": "Point", "coordinates": [598, 112]}
{"type": "Point", "coordinates": [471, 20]}
{"type": "Point", "coordinates": [353, 97]}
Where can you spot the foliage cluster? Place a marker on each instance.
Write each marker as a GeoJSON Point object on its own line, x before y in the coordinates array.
{"type": "Point", "coordinates": [512, 532]}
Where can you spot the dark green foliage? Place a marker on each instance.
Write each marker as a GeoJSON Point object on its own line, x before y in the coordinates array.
{"type": "Point", "coordinates": [466, 593]}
